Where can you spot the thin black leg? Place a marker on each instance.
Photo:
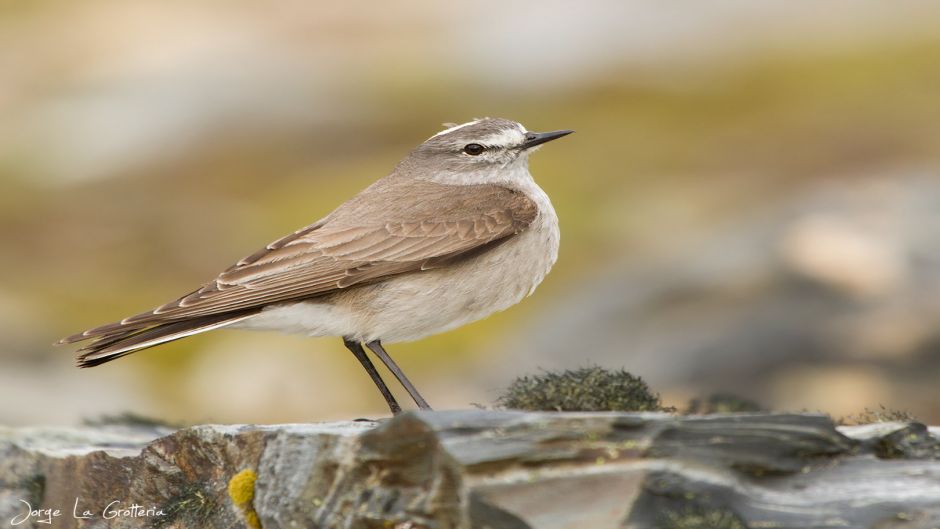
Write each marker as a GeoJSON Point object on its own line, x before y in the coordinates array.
{"type": "Point", "coordinates": [376, 346]}
{"type": "Point", "coordinates": [360, 353]}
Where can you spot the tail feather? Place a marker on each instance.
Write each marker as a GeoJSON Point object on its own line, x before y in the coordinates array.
{"type": "Point", "coordinates": [103, 332]}
{"type": "Point", "coordinates": [116, 344]}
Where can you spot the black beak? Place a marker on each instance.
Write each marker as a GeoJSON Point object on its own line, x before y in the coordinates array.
{"type": "Point", "coordinates": [537, 138]}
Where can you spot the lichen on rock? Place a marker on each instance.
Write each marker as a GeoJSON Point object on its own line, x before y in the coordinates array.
{"type": "Point", "coordinates": [241, 490]}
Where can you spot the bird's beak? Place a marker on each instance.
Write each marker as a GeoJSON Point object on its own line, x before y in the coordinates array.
{"type": "Point", "coordinates": [537, 138]}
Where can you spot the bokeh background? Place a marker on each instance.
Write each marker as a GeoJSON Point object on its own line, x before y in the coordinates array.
{"type": "Point", "coordinates": [751, 203]}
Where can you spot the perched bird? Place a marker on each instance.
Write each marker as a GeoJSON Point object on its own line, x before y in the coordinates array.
{"type": "Point", "coordinates": [457, 231]}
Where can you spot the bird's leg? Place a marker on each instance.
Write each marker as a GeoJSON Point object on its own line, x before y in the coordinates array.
{"type": "Point", "coordinates": [360, 353]}
{"type": "Point", "coordinates": [376, 346]}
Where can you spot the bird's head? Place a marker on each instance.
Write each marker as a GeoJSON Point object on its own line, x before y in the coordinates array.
{"type": "Point", "coordinates": [483, 150]}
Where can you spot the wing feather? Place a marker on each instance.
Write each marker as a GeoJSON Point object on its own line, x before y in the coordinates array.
{"type": "Point", "coordinates": [426, 225]}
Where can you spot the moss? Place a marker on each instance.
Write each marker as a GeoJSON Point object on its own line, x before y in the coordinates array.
{"type": "Point", "coordinates": [882, 414]}
{"type": "Point", "coordinates": [697, 517]}
{"type": "Point", "coordinates": [193, 505]}
{"type": "Point", "coordinates": [585, 389]}
{"type": "Point", "coordinates": [241, 490]}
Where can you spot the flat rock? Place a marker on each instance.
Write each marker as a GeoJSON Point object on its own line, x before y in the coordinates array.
{"type": "Point", "coordinates": [478, 469]}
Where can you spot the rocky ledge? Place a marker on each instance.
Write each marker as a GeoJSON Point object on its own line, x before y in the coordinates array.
{"type": "Point", "coordinates": [478, 469]}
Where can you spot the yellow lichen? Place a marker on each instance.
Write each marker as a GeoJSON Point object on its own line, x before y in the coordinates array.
{"type": "Point", "coordinates": [241, 489]}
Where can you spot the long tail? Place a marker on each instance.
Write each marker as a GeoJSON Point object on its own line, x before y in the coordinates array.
{"type": "Point", "coordinates": [118, 342]}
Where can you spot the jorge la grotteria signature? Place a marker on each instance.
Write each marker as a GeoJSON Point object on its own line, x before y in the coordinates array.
{"type": "Point", "coordinates": [114, 509]}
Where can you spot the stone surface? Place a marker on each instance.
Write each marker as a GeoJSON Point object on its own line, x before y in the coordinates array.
{"type": "Point", "coordinates": [480, 469]}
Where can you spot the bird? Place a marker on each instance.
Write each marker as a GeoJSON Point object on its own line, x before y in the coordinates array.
{"type": "Point", "coordinates": [457, 231]}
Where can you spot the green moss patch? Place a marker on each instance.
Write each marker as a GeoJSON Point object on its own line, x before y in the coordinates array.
{"type": "Point", "coordinates": [585, 389]}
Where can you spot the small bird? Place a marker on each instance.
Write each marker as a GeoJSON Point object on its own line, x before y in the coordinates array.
{"type": "Point", "coordinates": [459, 230]}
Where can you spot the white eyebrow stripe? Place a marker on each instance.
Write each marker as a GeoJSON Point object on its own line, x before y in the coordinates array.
{"type": "Point", "coordinates": [455, 127]}
{"type": "Point", "coordinates": [505, 138]}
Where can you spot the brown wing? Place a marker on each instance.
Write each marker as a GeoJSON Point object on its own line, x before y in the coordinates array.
{"type": "Point", "coordinates": [423, 225]}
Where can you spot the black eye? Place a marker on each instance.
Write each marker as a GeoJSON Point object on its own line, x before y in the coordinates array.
{"type": "Point", "coordinates": [473, 149]}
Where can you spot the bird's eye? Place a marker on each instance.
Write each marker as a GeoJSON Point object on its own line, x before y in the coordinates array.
{"type": "Point", "coordinates": [473, 149]}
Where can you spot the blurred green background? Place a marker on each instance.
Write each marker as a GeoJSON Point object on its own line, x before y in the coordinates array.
{"type": "Point", "coordinates": [751, 203]}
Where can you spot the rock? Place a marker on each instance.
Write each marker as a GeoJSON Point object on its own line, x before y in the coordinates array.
{"type": "Point", "coordinates": [478, 469]}
{"type": "Point", "coordinates": [897, 440]}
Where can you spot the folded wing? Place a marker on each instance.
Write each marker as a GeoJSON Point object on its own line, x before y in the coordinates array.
{"type": "Point", "coordinates": [394, 230]}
